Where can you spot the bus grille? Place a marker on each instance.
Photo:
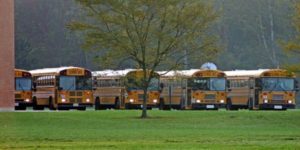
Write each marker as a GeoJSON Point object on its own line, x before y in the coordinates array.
{"type": "Point", "coordinates": [72, 93]}
{"type": "Point", "coordinates": [141, 97]}
{"type": "Point", "coordinates": [75, 93]}
{"type": "Point", "coordinates": [75, 100]}
{"type": "Point", "coordinates": [277, 97]}
{"type": "Point", "coordinates": [17, 95]}
{"type": "Point", "coordinates": [210, 96]}
{"type": "Point", "coordinates": [278, 102]}
{"type": "Point", "coordinates": [79, 93]}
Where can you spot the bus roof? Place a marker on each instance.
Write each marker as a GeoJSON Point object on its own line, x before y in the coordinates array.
{"type": "Point", "coordinates": [187, 73]}
{"type": "Point", "coordinates": [250, 73]}
{"type": "Point", "coordinates": [51, 70]}
{"type": "Point", "coordinates": [111, 73]}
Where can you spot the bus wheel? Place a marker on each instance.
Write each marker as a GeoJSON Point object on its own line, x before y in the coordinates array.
{"type": "Point", "coordinates": [97, 103]}
{"type": "Point", "coordinates": [250, 104]}
{"type": "Point", "coordinates": [51, 105]}
{"type": "Point", "coordinates": [161, 104]}
{"type": "Point", "coordinates": [117, 103]}
{"type": "Point", "coordinates": [182, 104]}
{"type": "Point", "coordinates": [229, 104]}
{"type": "Point", "coordinates": [20, 107]}
{"type": "Point", "coordinates": [81, 108]}
{"type": "Point", "coordinates": [35, 105]}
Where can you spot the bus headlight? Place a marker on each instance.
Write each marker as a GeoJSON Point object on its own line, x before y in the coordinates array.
{"type": "Point", "coordinates": [87, 100]}
{"type": "Point", "coordinates": [221, 101]}
{"type": "Point", "coordinates": [131, 100]}
{"type": "Point", "coordinates": [155, 101]}
{"type": "Point", "coordinates": [290, 101]}
{"type": "Point", "coordinates": [198, 101]}
{"type": "Point", "coordinates": [265, 101]}
{"type": "Point", "coordinates": [27, 100]}
{"type": "Point", "coordinates": [63, 100]}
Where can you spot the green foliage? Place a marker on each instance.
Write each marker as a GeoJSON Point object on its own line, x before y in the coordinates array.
{"type": "Point", "coordinates": [150, 33]}
{"type": "Point", "coordinates": [292, 46]}
{"type": "Point", "coordinates": [163, 130]}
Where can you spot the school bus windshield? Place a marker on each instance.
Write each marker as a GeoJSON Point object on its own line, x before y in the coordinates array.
{"type": "Point", "coordinates": [277, 84]}
{"type": "Point", "coordinates": [210, 84]}
{"type": "Point", "coordinates": [23, 84]}
{"type": "Point", "coordinates": [75, 83]}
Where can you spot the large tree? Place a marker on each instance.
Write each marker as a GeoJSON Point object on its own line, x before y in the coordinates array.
{"type": "Point", "coordinates": [293, 45]}
{"type": "Point", "coordinates": [151, 34]}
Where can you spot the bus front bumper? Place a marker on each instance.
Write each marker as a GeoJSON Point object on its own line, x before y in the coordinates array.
{"type": "Point", "coordinates": [22, 103]}
{"type": "Point", "coordinates": [74, 105]}
{"type": "Point", "coordinates": [140, 106]}
{"type": "Point", "coordinates": [207, 106]}
{"type": "Point", "coordinates": [277, 106]}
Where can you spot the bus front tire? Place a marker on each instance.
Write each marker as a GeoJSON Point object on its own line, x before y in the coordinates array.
{"type": "Point", "coordinates": [97, 104]}
{"type": "Point", "coordinates": [51, 105]}
{"type": "Point", "coordinates": [35, 105]}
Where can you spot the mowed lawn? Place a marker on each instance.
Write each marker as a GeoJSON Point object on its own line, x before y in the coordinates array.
{"type": "Point", "coordinates": [112, 129]}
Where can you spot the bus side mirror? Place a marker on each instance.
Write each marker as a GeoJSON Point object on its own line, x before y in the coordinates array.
{"type": "Point", "coordinates": [34, 86]}
{"type": "Point", "coordinates": [161, 85]}
{"type": "Point", "coordinates": [296, 85]}
{"type": "Point", "coordinates": [228, 85]}
{"type": "Point", "coordinates": [258, 83]}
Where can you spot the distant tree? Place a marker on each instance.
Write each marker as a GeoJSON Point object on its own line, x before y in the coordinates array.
{"type": "Point", "coordinates": [150, 33]}
{"type": "Point", "coordinates": [293, 45]}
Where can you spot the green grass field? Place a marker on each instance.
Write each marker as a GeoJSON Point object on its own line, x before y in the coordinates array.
{"type": "Point", "coordinates": [163, 130]}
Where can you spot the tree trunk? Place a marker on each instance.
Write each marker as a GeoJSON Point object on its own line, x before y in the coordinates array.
{"type": "Point", "coordinates": [144, 113]}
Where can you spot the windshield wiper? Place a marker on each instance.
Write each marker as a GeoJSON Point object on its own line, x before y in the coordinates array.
{"type": "Point", "coordinates": [274, 87]}
{"type": "Point", "coordinates": [73, 85]}
{"type": "Point", "coordinates": [20, 85]}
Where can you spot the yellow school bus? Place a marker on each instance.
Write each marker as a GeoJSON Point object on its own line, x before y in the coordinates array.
{"type": "Point", "coordinates": [173, 94]}
{"type": "Point", "coordinates": [117, 89]}
{"type": "Point", "coordinates": [109, 88]}
{"type": "Point", "coordinates": [262, 89]}
{"type": "Point", "coordinates": [23, 89]}
{"type": "Point", "coordinates": [62, 88]}
{"type": "Point", "coordinates": [134, 93]}
{"type": "Point", "coordinates": [206, 89]}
